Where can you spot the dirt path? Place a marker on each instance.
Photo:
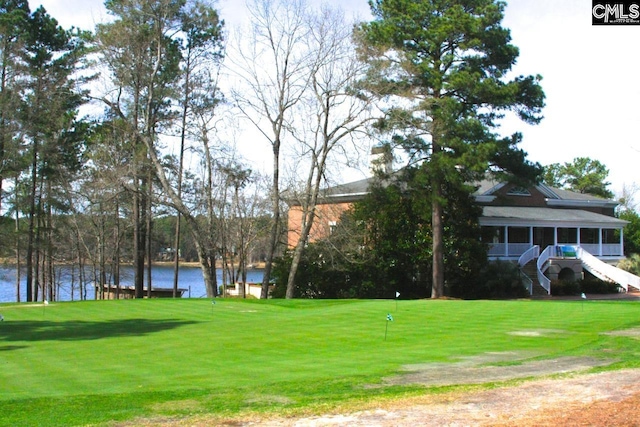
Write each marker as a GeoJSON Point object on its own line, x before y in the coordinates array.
{"type": "Point", "coordinates": [604, 399]}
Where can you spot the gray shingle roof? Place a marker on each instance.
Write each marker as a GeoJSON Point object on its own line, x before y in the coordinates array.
{"type": "Point", "coordinates": [487, 187]}
{"type": "Point", "coordinates": [541, 215]}
{"type": "Point", "coordinates": [350, 188]}
{"type": "Point", "coordinates": [355, 190]}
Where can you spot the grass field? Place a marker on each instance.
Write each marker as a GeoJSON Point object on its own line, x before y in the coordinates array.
{"type": "Point", "coordinates": [93, 362]}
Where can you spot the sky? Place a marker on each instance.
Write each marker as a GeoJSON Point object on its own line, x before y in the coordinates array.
{"type": "Point", "coordinates": [591, 77]}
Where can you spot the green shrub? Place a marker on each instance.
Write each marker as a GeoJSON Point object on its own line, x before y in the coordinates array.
{"type": "Point", "coordinates": [565, 288]}
{"type": "Point", "coordinates": [631, 263]}
{"type": "Point", "coordinates": [593, 285]}
{"type": "Point", "coordinates": [497, 280]}
{"type": "Point", "coordinates": [588, 285]}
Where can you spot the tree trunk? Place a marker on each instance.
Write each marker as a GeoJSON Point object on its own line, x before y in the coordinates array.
{"type": "Point", "coordinates": [138, 263]}
{"type": "Point", "coordinates": [183, 136]}
{"type": "Point", "coordinates": [206, 267]}
{"type": "Point", "coordinates": [32, 225]}
{"type": "Point", "coordinates": [307, 222]}
{"type": "Point", "coordinates": [49, 271]}
{"type": "Point", "coordinates": [101, 254]}
{"type": "Point", "coordinates": [437, 289]}
{"type": "Point", "coordinates": [275, 226]}
{"type": "Point", "coordinates": [148, 227]}
{"type": "Point", "coordinates": [437, 226]}
{"type": "Point", "coordinates": [295, 262]}
{"type": "Point", "coordinates": [207, 260]}
{"type": "Point", "coordinates": [18, 264]}
{"type": "Point", "coordinates": [3, 120]}
{"type": "Point", "coordinates": [176, 253]}
{"type": "Point", "coordinates": [116, 255]}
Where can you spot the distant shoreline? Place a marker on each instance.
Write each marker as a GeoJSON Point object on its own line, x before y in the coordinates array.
{"type": "Point", "coordinates": [256, 266]}
{"type": "Point", "coordinates": [11, 262]}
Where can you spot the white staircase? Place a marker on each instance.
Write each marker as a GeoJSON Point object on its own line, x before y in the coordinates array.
{"type": "Point", "coordinates": [540, 266]}
{"type": "Point", "coordinates": [593, 265]}
{"type": "Point", "coordinates": [604, 271]}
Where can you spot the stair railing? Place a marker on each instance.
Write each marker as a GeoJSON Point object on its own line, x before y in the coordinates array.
{"type": "Point", "coordinates": [529, 255]}
{"type": "Point", "coordinates": [526, 282]}
{"type": "Point", "coordinates": [542, 265]}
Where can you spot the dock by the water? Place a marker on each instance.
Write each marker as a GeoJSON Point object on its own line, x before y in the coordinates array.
{"type": "Point", "coordinates": [129, 292]}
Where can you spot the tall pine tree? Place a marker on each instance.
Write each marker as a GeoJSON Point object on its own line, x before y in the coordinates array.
{"type": "Point", "coordinates": [441, 69]}
{"type": "Point", "coordinates": [50, 99]}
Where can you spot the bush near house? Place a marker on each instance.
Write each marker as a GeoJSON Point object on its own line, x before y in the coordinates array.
{"type": "Point", "coordinates": [497, 280]}
{"type": "Point", "coordinates": [327, 275]}
{"type": "Point", "coordinates": [631, 263]}
{"type": "Point", "coordinates": [589, 285]}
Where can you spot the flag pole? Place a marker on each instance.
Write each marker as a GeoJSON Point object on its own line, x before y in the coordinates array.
{"type": "Point", "coordinates": [386, 327]}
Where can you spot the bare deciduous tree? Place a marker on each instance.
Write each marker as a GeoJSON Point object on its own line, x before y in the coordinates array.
{"type": "Point", "coordinates": [273, 71]}
{"type": "Point", "coordinates": [332, 113]}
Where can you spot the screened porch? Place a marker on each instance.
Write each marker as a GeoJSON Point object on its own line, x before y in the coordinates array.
{"type": "Point", "coordinates": [512, 241]}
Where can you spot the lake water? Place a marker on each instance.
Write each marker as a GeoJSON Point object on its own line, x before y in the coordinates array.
{"type": "Point", "coordinates": [189, 278]}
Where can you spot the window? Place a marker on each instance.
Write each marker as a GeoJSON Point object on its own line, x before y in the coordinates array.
{"type": "Point", "coordinates": [493, 234]}
{"type": "Point", "coordinates": [610, 235]}
{"type": "Point", "coordinates": [518, 234]}
{"type": "Point", "coordinates": [567, 235]}
{"type": "Point", "coordinates": [518, 191]}
{"type": "Point", "coordinates": [589, 236]}
{"type": "Point", "coordinates": [332, 226]}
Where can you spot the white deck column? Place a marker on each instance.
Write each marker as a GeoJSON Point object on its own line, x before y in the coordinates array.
{"type": "Point", "coordinates": [506, 240]}
{"type": "Point", "coordinates": [531, 237]}
{"type": "Point", "coordinates": [600, 241]}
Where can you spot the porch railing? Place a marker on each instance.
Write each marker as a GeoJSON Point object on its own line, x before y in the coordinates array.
{"type": "Point", "coordinates": [517, 249]}
{"type": "Point", "coordinates": [608, 249]}
{"type": "Point", "coordinates": [508, 249]}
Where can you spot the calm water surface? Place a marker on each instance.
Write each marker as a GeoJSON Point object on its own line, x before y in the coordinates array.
{"type": "Point", "coordinates": [190, 278]}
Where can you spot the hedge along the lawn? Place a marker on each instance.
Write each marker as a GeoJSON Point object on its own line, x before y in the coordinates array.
{"type": "Point", "coordinates": [90, 362]}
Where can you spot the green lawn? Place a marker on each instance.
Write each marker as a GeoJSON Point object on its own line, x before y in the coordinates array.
{"type": "Point", "coordinates": [93, 362]}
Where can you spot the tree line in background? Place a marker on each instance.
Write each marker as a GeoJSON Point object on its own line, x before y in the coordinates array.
{"type": "Point", "coordinates": [110, 137]}
{"type": "Point", "coordinates": [120, 145]}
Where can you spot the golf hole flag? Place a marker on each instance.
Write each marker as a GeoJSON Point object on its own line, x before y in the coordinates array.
{"type": "Point", "coordinates": [386, 325]}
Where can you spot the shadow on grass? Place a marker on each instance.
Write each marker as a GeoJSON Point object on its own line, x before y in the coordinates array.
{"type": "Point", "coordinates": [83, 330]}
{"type": "Point", "coordinates": [11, 347]}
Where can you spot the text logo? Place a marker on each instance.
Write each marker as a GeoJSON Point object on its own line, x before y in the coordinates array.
{"type": "Point", "coordinates": [615, 12]}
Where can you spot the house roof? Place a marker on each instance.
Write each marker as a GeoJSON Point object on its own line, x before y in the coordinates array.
{"type": "Point", "coordinates": [554, 196]}
{"type": "Point", "coordinates": [515, 215]}
{"type": "Point", "coordinates": [355, 190]}
{"type": "Point", "coordinates": [348, 192]}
